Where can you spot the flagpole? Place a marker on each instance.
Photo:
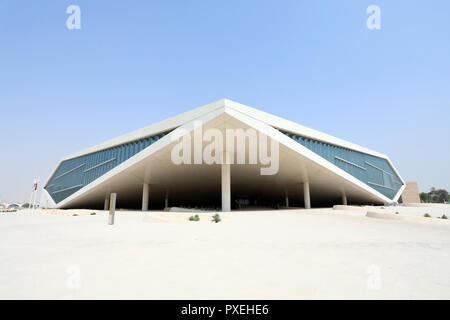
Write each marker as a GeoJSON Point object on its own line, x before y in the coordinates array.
{"type": "Point", "coordinates": [31, 199]}
{"type": "Point", "coordinates": [35, 193]}
{"type": "Point", "coordinates": [32, 194]}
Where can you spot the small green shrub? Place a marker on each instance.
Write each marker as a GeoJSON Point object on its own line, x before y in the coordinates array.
{"type": "Point", "coordinates": [216, 218]}
{"type": "Point", "coordinates": [444, 217]}
{"type": "Point", "coordinates": [75, 215]}
{"type": "Point", "coordinates": [194, 218]}
{"type": "Point", "coordinates": [426, 215]}
{"type": "Point", "coordinates": [93, 213]}
{"type": "Point", "coordinates": [396, 212]}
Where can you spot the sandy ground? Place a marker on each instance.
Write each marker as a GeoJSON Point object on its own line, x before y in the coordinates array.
{"type": "Point", "coordinates": [284, 254]}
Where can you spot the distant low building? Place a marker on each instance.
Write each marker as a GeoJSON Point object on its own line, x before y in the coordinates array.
{"type": "Point", "coordinates": [411, 193]}
{"type": "Point", "coordinates": [9, 206]}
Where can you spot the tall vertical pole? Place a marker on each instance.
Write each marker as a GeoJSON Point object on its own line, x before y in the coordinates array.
{"type": "Point", "coordinates": [112, 208]}
{"type": "Point", "coordinates": [35, 193]}
{"type": "Point", "coordinates": [31, 199]}
{"type": "Point", "coordinates": [286, 196]}
{"type": "Point", "coordinates": [226, 182]}
{"type": "Point", "coordinates": [344, 199]}
{"type": "Point", "coordinates": [166, 199]}
{"type": "Point", "coordinates": [306, 195]}
{"type": "Point", "coordinates": [145, 195]}
{"type": "Point", "coordinates": [106, 206]}
{"type": "Point", "coordinates": [30, 206]}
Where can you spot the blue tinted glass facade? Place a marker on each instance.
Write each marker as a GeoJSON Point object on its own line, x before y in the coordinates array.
{"type": "Point", "coordinates": [373, 171]}
{"type": "Point", "coordinates": [74, 174]}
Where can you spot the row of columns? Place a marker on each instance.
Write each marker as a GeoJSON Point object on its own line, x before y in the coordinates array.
{"type": "Point", "coordinates": [225, 187]}
{"type": "Point", "coordinates": [145, 198]}
{"type": "Point", "coordinates": [226, 193]}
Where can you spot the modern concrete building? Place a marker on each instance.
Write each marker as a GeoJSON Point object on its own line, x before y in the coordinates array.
{"type": "Point", "coordinates": [314, 169]}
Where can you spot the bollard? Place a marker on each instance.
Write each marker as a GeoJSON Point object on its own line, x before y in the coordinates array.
{"type": "Point", "coordinates": [112, 208]}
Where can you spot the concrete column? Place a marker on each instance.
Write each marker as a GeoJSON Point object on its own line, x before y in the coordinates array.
{"type": "Point", "coordinates": [344, 199]}
{"type": "Point", "coordinates": [226, 187]}
{"type": "Point", "coordinates": [112, 208]}
{"type": "Point", "coordinates": [166, 199]}
{"type": "Point", "coordinates": [306, 195]}
{"type": "Point", "coordinates": [145, 192]}
{"type": "Point", "coordinates": [286, 196]}
{"type": "Point", "coordinates": [106, 206]}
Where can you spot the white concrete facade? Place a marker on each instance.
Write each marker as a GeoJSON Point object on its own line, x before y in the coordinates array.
{"type": "Point", "coordinates": [299, 165]}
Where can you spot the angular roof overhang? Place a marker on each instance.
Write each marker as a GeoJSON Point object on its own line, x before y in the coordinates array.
{"type": "Point", "coordinates": [214, 115]}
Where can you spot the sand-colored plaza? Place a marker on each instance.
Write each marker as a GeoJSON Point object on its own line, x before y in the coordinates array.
{"type": "Point", "coordinates": [282, 254]}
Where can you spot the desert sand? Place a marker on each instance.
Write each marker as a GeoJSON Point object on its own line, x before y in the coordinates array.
{"type": "Point", "coordinates": [282, 254]}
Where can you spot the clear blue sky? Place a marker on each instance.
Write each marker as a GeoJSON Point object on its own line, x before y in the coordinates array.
{"type": "Point", "coordinates": [134, 63]}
